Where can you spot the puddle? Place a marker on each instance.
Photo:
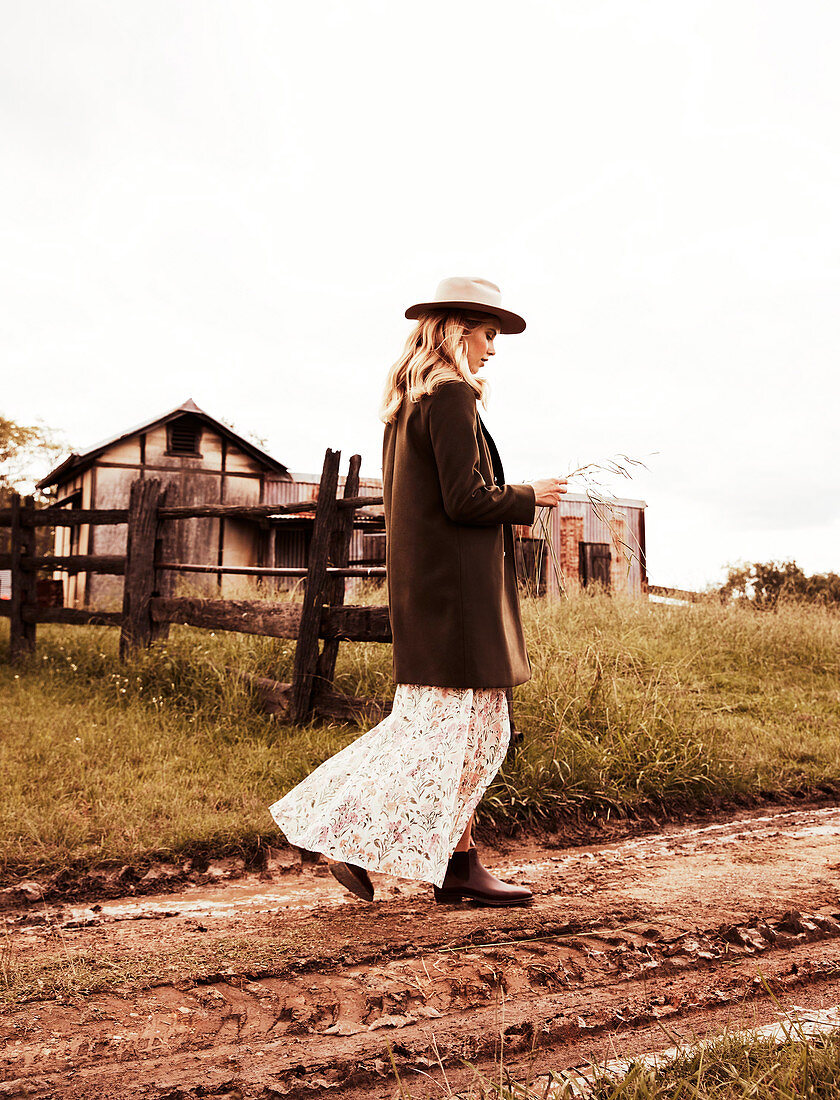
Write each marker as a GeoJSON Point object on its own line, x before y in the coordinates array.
{"type": "Point", "coordinates": [225, 902]}
{"type": "Point", "coordinates": [792, 824]}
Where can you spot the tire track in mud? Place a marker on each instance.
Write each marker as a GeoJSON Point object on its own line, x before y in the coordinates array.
{"type": "Point", "coordinates": [683, 929]}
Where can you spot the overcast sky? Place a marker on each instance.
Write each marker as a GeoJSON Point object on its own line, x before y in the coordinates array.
{"type": "Point", "coordinates": [236, 201]}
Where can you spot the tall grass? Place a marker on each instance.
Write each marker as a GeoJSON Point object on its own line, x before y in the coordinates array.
{"type": "Point", "coordinates": [732, 1069]}
{"type": "Point", "coordinates": [632, 706]}
{"type": "Point", "coordinates": [635, 704]}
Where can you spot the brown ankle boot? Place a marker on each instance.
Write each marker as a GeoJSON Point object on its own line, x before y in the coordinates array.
{"type": "Point", "coordinates": [353, 878]}
{"type": "Point", "coordinates": [467, 880]}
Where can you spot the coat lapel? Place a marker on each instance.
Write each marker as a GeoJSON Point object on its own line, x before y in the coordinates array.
{"type": "Point", "coordinates": [498, 470]}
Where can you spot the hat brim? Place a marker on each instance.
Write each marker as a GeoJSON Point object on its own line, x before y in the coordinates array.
{"type": "Point", "coordinates": [511, 322]}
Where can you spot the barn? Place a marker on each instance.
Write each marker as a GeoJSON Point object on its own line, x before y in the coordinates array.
{"type": "Point", "coordinates": [201, 461]}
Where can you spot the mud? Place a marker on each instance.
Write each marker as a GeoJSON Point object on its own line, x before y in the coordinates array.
{"type": "Point", "coordinates": [151, 876]}
{"type": "Point", "coordinates": [280, 984]}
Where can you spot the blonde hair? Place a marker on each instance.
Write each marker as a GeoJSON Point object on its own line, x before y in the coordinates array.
{"type": "Point", "coordinates": [435, 352]}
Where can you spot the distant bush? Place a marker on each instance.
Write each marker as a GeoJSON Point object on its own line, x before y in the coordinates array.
{"type": "Point", "coordinates": [764, 584]}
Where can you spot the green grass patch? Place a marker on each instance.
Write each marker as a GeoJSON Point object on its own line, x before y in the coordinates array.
{"type": "Point", "coordinates": [732, 1069]}
{"type": "Point", "coordinates": [632, 706]}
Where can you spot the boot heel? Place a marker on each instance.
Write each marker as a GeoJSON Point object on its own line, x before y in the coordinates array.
{"type": "Point", "coordinates": [447, 897]}
{"type": "Point", "coordinates": [353, 878]}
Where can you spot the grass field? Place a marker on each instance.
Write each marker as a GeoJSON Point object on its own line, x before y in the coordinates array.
{"type": "Point", "coordinates": [734, 1067]}
{"type": "Point", "coordinates": [632, 707]}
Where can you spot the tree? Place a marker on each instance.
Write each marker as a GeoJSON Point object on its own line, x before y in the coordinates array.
{"type": "Point", "coordinates": [764, 584]}
{"type": "Point", "coordinates": [258, 440]}
{"type": "Point", "coordinates": [26, 453]}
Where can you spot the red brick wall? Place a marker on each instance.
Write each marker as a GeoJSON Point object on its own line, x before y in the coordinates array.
{"type": "Point", "coordinates": [571, 533]}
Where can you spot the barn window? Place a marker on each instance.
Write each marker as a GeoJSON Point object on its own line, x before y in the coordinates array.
{"type": "Point", "coordinates": [183, 436]}
{"type": "Point", "coordinates": [595, 560]}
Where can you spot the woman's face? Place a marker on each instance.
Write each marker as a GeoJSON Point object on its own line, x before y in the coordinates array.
{"type": "Point", "coordinates": [480, 344]}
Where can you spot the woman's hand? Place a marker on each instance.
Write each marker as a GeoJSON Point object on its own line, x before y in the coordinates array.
{"type": "Point", "coordinates": [548, 490]}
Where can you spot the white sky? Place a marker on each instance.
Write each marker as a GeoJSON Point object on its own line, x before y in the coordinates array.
{"type": "Point", "coordinates": [235, 201]}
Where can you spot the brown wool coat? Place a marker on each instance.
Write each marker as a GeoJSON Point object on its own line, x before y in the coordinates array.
{"type": "Point", "coordinates": [452, 587]}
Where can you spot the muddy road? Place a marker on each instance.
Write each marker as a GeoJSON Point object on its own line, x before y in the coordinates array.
{"type": "Point", "coordinates": [282, 985]}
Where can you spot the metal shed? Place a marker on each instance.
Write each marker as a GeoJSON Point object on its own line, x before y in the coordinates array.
{"type": "Point", "coordinates": [580, 543]}
{"type": "Point", "coordinates": [575, 545]}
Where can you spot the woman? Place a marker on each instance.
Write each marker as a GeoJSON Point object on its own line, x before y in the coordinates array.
{"type": "Point", "coordinates": [400, 799]}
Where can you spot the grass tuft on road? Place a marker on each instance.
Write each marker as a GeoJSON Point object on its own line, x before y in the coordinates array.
{"type": "Point", "coordinates": [734, 1068]}
{"type": "Point", "coordinates": [633, 707]}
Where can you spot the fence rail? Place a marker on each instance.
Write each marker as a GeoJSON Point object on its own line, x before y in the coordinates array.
{"type": "Point", "coordinates": [81, 517]}
{"type": "Point", "coordinates": [318, 622]}
{"type": "Point", "coordinates": [320, 617]}
{"type": "Point", "coordinates": [674, 593]}
{"type": "Point", "coordinates": [70, 563]}
{"type": "Point", "coordinates": [270, 571]}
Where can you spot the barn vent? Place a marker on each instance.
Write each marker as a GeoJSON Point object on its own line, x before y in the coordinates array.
{"type": "Point", "coordinates": [184, 436]}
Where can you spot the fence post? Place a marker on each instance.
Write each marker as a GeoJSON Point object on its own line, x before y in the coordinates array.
{"type": "Point", "coordinates": [24, 582]}
{"type": "Point", "coordinates": [339, 556]}
{"type": "Point", "coordinates": [163, 584]}
{"type": "Point", "coordinates": [306, 650]}
{"type": "Point", "coordinates": [143, 505]}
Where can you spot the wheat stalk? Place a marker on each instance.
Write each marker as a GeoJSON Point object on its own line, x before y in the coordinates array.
{"type": "Point", "coordinates": [604, 503]}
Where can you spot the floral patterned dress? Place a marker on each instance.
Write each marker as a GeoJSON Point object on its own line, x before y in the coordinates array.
{"type": "Point", "coordinates": [399, 797]}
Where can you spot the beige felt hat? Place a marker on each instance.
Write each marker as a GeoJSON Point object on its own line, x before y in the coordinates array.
{"type": "Point", "coordinates": [473, 295]}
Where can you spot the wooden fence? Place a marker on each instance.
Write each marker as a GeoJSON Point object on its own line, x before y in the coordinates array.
{"type": "Point", "coordinates": [322, 615]}
{"type": "Point", "coordinates": [675, 593]}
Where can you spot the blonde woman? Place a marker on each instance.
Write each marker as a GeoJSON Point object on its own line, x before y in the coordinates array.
{"type": "Point", "coordinates": [401, 798]}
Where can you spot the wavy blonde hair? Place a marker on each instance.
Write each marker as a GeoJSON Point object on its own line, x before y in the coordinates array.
{"type": "Point", "coordinates": [435, 352]}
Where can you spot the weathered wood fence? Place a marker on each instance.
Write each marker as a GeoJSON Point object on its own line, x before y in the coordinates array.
{"type": "Point", "coordinates": [321, 617]}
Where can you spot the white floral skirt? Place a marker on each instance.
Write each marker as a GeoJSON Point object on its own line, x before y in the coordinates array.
{"type": "Point", "coordinates": [398, 798]}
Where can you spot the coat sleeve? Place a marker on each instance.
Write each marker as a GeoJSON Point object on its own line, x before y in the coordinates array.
{"type": "Point", "coordinates": [467, 498]}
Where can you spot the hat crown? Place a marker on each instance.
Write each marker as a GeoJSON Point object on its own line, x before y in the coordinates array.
{"type": "Point", "coordinates": [459, 288]}
{"type": "Point", "coordinates": [460, 292]}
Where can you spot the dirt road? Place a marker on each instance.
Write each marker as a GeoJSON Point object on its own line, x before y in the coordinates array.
{"type": "Point", "coordinates": [282, 985]}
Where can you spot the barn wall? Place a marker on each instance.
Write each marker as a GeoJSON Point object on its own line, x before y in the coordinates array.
{"type": "Point", "coordinates": [237, 460]}
{"type": "Point", "coordinates": [221, 473]}
{"type": "Point", "coordinates": [113, 485]}
{"type": "Point", "coordinates": [67, 541]}
{"type": "Point", "coordinates": [126, 451]}
{"type": "Point", "coordinates": [240, 540]}
{"type": "Point", "coordinates": [576, 520]}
